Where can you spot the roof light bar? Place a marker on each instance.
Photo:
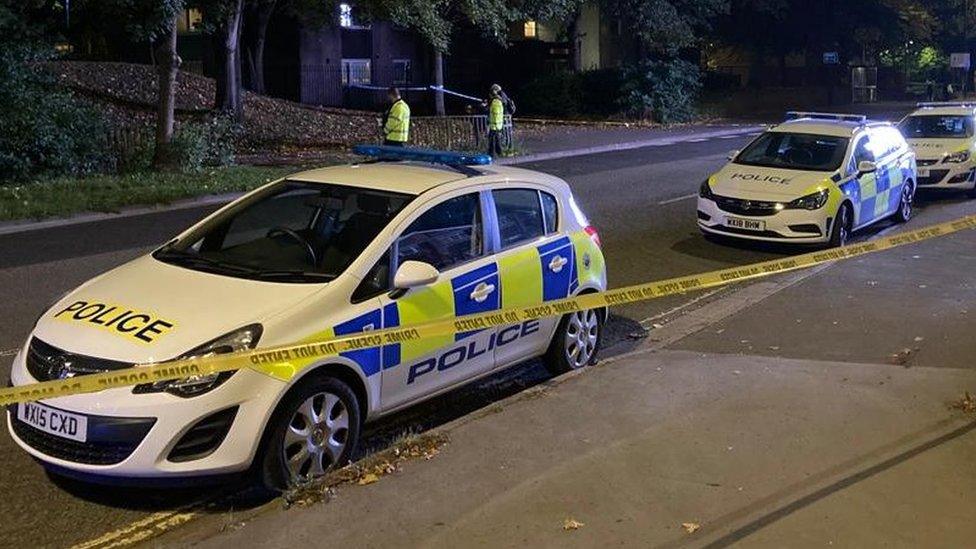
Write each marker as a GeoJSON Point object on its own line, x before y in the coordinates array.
{"type": "Point", "coordinates": [448, 158]}
{"type": "Point", "coordinates": [935, 104]}
{"type": "Point", "coordinates": [795, 115]}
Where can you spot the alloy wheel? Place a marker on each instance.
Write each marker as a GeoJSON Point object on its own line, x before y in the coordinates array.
{"type": "Point", "coordinates": [582, 335]}
{"type": "Point", "coordinates": [315, 437]}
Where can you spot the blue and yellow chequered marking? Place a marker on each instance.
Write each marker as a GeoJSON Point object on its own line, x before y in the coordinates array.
{"type": "Point", "coordinates": [521, 278]}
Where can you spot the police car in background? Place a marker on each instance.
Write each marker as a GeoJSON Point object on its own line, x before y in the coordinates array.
{"type": "Point", "coordinates": [416, 236]}
{"type": "Point", "coordinates": [944, 140]}
{"type": "Point", "coordinates": [814, 179]}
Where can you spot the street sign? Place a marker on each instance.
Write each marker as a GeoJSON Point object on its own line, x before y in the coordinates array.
{"type": "Point", "coordinates": [831, 58]}
{"type": "Point", "coordinates": [959, 61]}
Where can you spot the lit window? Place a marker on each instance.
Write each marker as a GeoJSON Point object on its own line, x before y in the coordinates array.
{"type": "Point", "coordinates": [345, 15]}
{"type": "Point", "coordinates": [356, 72]}
{"type": "Point", "coordinates": [529, 29]}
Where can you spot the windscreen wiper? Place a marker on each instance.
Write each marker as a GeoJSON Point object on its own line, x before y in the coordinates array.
{"type": "Point", "coordinates": [292, 274]}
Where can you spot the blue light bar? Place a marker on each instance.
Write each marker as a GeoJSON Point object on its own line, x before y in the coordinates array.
{"type": "Point", "coordinates": [840, 117]}
{"type": "Point", "coordinates": [449, 158]}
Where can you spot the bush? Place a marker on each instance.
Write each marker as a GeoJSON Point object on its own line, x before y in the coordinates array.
{"type": "Point", "coordinates": [209, 143]}
{"type": "Point", "coordinates": [665, 91]}
{"type": "Point", "coordinates": [43, 130]}
{"type": "Point", "coordinates": [551, 94]}
{"type": "Point", "coordinates": [601, 91]}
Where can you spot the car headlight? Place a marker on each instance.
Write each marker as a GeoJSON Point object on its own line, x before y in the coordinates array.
{"type": "Point", "coordinates": [242, 339]}
{"type": "Point", "coordinates": [705, 191]}
{"type": "Point", "coordinates": [957, 157]}
{"type": "Point", "coordinates": [813, 201]}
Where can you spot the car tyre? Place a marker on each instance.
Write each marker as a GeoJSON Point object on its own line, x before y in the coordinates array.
{"type": "Point", "coordinates": [576, 342]}
{"type": "Point", "coordinates": [905, 208]}
{"type": "Point", "coordinates": [314, 430]}
{"type": "Point", "coordinates": [840, 233]}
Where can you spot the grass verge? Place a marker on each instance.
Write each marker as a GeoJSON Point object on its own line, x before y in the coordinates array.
{"type": "Point", "coordinates": [63, 196]}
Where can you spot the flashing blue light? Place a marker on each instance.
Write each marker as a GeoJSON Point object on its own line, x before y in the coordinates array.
{"type": "Point", "coordinates": [840, 117]}
{"type": "Point", "coordinates": [383, 152]}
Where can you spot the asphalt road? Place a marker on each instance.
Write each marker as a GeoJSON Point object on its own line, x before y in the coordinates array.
{"type": "Point", "coordinates": [642, 202]}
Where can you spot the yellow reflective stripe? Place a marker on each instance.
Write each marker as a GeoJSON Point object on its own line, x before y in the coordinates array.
{"type": "Point", "coordinates": [586, 248]}
{"type": "Point", "coordinates": [423, 305]}
{"type": "Point", "coordinates": [521, 277]}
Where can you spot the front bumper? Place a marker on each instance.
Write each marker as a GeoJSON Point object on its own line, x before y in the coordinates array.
{"type": "Point", "coordinates": [940, 175]}
{"type": "Point", "coordinates": [799, 226]}
{"type": "Point", "coordinates": [142, 435]}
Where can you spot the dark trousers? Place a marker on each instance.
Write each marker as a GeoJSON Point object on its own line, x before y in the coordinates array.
{"type": "Point", "coordinates": [391, 143]}
{"type": "Point", "coordinates": [495, 142]}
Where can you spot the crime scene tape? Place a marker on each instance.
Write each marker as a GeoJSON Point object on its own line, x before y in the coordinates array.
{"type": "Point", "coordinates": [276, 361]}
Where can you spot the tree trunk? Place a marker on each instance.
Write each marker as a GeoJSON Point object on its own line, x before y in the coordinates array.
{"type": "Point", "coordinates": [439, 82]}
{"type": "Point", "coordinates": [168, 65]}
{"type": "Point", "coordinates": [575, 43]}
{"type": "Point", "coordinates": [257, 51]}
{"type": "Point", "coordinates": [229, 95]}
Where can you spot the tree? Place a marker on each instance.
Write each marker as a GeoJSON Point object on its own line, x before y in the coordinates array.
{"type": "Point", "coordinates": [223, 20]}
{"type": "Point", "coordinates": [154, 21]}
{"type": "Point", "coordinates": [260, 12]}
{"type": "Point", "coordinates": [665, 27]}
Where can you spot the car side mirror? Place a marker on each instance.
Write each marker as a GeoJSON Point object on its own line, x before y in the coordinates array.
{"type": "Point", "coordinates": [866, 166]}
{"type": "Point", "coordinates": [413, 274]}
{"type": "Point", "coordinates": [733, 154]}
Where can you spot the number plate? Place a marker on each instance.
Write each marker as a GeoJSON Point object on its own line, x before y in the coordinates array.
{"type": "Point", "coordinates": [56, 422]}
{"type": "Point", "coordinates": [923, 172]}
{"type": "Point", "coordinates": [748, 224]}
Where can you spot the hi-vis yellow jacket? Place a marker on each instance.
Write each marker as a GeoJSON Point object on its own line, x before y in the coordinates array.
{"type": "Point", "coordinates": [496, 114]}
{"type": "Point", "coordinates": [397, 126]}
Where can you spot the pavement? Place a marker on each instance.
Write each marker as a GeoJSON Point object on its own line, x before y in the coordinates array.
{"type": "Point", "coordinates": [642, 201]}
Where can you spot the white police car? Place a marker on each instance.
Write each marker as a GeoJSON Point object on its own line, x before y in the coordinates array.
{"type": "Point", "coordinates": [944, 140]}
{"type": "Point", "coordinates": [325, 252]}
{"type": "Point", "coordinates": [814, 179]}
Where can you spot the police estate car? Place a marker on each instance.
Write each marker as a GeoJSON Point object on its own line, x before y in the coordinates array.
{"type": "Point", "coordinates": [813, 179]}
{"type": "Point", "coordinates": [944, 140]}
{"type": "Point", "coordinates": [415, 236]}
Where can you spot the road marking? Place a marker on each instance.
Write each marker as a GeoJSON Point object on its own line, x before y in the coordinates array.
{"type": "Point", "coordinates": [10, 352]}
{"type": "Point", "coordinates": [677, 199]}
{"type": "Point", "coordinates": [697, 140]}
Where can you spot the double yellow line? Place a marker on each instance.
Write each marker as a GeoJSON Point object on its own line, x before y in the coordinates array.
{"type": "Point", "coordinates": [282, 361]}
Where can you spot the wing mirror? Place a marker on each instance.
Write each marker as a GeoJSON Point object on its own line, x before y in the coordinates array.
{"type": "Point", "coordinates": [733, 154]}
{"type": "Point", "coordinates": [413, 274]}
{"type": "Point", "coordinates": [866, 166]}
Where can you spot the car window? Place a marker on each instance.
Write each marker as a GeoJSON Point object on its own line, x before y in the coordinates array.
{"type": "Point", "coordinates": [519, 215]}
{"type": "Point", "coordinates": [863, 151]}
{"type": "Point", "coordinates": [376, 282]}
{"type": "Point", "coordinates": [448, 234]}
{"type": "Point", "coordinates": [550, 209]}
{"type": "Point", "coordinates": [936, 126]}
{"type": "Point", "coordinates": [795, 151]}
{"type": "Point", "coordinates": [291, 232]}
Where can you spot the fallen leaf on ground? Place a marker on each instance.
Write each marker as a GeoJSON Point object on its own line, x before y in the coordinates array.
{"type": "Point", "coordinates": [901, 357]}
{"type": "Point", "coordinates": [572, 524]}
{"type": "Point", "coordinates": [966, 404]}
{"type": "Point", "coordinates": [690, 527]}
{"type": "Point", "coordinates": [368, 478]}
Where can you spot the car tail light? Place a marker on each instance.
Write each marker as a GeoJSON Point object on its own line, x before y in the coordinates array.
{"type": "Point", "coordinates": [594, 236]}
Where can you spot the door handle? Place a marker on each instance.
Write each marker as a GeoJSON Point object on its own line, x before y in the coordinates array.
{"type": "Point", "coordinates": [557, 263]}
{"type": "Point", "coordinates": [482, 291]}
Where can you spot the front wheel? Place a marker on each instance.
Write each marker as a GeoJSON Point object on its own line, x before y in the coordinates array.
{"type": "Point", "coordinates": [905, 208]}
{"type": "Point", "coordinates": [314, 430]}
{"type": "Point", "coordinates": [841, 230]}
{"type": "Point", "coordinates": [576, 342]}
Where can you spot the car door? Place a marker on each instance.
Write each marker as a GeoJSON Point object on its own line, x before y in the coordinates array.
{"type": "Point", "coordinates": [867, 182]}
{"type": "Point", "coordinates": [537, 264]}
{"type": "Point", "coordinates": [450, 235]}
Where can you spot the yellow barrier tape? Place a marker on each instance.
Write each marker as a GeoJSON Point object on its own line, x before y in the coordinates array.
{"type": "Point", "coordinates": [276, 361]}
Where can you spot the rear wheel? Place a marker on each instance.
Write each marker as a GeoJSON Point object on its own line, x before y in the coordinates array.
{"type": "Point", "coordinates": [841, 232]}
{"type": "Point", "coordinates": [314, 430]}
{"type": "Point", "coordinates": [905, 206]}
{"type": "Point", "coordinates": [576, 342]}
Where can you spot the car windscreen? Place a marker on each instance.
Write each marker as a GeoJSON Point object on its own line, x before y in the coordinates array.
{"type": "Point", "coordinates": [795, 151]}
{"type": "Point", "coordinates": [937, 127]}
{"type": "Point", "coordinates": [291, 232]}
